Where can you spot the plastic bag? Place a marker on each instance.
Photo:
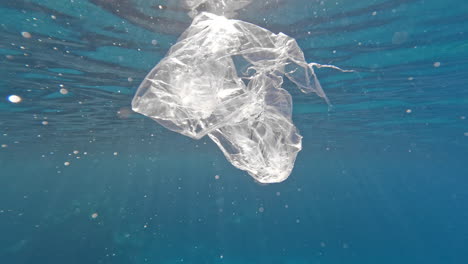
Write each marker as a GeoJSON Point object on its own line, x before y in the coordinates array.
{"type": "Point", "coordinates": [223, 78]}
{"type": "Point", "coordinates": [225, 8]}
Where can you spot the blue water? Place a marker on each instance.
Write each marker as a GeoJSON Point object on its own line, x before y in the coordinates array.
{"type": "Point", "coordinates": [382, 177]}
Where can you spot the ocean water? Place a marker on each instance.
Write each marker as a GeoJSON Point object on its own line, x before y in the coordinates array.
{"type": "Point", "coordinates": [382, 177]}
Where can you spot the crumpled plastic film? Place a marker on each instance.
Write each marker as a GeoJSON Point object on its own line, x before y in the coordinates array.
{"type": "Point", "coordinates": [263, 141]}
{"type": "Point", "coordinates": [223, 78]}
{"type": "Point", "coordinates": [225, 8]}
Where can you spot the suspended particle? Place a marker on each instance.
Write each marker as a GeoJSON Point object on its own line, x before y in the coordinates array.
{"type": "Point", "coordinates": [124, 113]}
{"type": "Point", "coordinates": [63, 91]}
{"type": "Point", "coordinates": [26, 34]}
{"type": "Point", "coordinates": [14, 99]}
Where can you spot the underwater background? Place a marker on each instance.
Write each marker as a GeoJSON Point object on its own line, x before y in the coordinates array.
{"type": "Point", "coordinates": [382, 177]}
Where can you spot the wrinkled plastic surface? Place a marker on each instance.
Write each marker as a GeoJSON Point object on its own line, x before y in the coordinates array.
{"type": "Point", "coordinates": [225, 8]}
{"type": "Point", "coordinates": [223, 78]}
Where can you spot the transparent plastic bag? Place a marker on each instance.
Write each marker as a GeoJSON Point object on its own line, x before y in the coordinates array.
{"type": "Point", "coordinates": [225, 8]}
{"type": "Point", "coordinates": [223, 78]}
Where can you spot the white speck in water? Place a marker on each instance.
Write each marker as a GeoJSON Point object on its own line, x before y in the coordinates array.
{"type": "Point", "coordinates": [216, 177]}
{"type": "Point", "coordinates": [408, 111]}
{"type": "Point", "coordinates": [53, 17]}
{"type": "Point", "coordinates": [437, 64]}
{"type": "Point", "coordinates": [94, 215]}
{"type": "Point", "coordinates": [261, 209]}
{"type": "Point", "coordinates": [26, 34]}
{"type": "Point", "coordinates": [45, 123]}
{"type": "Point", "coordinates": [410, 78]}
{"type": "Point", "coordinates": [154, 42]}
{"type": "Point", "coordinates": [374, 13]}
{"type": "Point", "coordinates": [63, 91]}
{"type": "Point", "coordinates": [76, 152]}
{"type": "Point", "coordinates": [4, 145]}
{"type": "Point", "coordinates": [116, 153]}
{"type": "Point", "coordinates": [66, 163]}
{"type": "Point", "coordinates": [466, 134]}
{"type": "Point", "coordinates": [14, 99]}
